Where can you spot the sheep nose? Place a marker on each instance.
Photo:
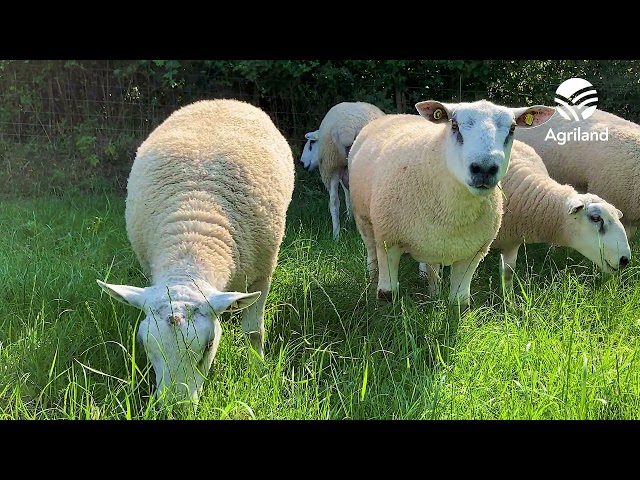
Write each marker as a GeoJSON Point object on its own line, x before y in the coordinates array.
{"type": "Point", "coordinates": [484, 174]}
{"type": "Point", "coordinates": [477, 168]}
{"type": "Point", "coordinates": [624, 261]}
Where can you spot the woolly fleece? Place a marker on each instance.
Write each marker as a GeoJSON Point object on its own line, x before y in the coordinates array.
{"type": "Point", "coordinates": [609, 169]}
{"type": "Point", "coordinates": [208, 194]}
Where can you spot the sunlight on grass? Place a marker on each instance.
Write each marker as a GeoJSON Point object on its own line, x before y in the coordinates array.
{"type": "Point", "coordinates": [562, 345]}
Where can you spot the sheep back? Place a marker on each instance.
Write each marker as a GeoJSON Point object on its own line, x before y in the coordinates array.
{"type": "Point", "coordinates": [337, 132]}
{"type": "Point", "coordinates": [208, 194]}
{"type": "Point", "coordinates": [608, 168]}
{"type": "Point", "coordinates": [533, 200]}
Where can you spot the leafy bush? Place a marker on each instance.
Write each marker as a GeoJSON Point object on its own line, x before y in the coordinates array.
{"type": "Point", "coordinates": [88, 116]}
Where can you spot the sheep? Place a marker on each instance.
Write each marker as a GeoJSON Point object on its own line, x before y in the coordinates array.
{"type": "Point", "coordinates": [538, 209]}
{"type": "Point", "coordinates": [309, 157]}
{"type": "Point", "coordinates": [606, 164]}
{"type": "Point", "coordinates": [206, 202]}
{"type": "Point", "coordinates": [337, 132]}
{"type": "Point", "coordinates": [422, 187]}
{"type": "Point", "coordinates": [309, 161]}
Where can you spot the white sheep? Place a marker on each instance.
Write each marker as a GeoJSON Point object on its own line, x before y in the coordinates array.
{"type": "Point", "coordinates": [426, 185]}
{"type": "Point", "coordinates": [599, 154]}
{"type": "Point", "coordinates": [538, 209]}
{"type": "Point", "coordinates": [337, 132]}
{"type": "Point", "coordinates": [309, 157]}
{"type": "Point", "coordinates": [205, 214]}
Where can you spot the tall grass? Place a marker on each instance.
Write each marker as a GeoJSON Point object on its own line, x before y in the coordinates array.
{"type": "Point", "coordinates": [563, 346]}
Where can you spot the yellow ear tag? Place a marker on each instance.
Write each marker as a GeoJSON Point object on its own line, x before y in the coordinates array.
{"type": "Point", "coordinates": [528, 119]}
{"type": "Point", "coordinates": [437, 114]}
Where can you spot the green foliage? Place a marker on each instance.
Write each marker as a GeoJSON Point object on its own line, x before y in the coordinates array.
{"type": "Point", "coordinates": [96, 112]}
{"type": "Point", "coordinates": [86, 147]}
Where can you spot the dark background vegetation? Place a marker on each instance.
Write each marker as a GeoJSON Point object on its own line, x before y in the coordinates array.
{"type": "Point", "coordinates": [74, 125]}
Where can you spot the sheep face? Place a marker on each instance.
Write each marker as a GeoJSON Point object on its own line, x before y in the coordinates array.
{"type": "Point", "coordinates": [594, 229]}
{"type": "Point", "coordinates": [478, 139]}
{"type": "Point", "coordinates": [180, 332]}
{"type": "Point", "coordinates": [309, 158]}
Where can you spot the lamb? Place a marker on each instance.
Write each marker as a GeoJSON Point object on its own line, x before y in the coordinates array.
{"type": "Point", "coordinates": [309, 157]}
{"type": "Point", "coordinates": [606, 164]}
{"type": "Point", "coordinates": [205, 214]}
{"type": "Point", "coordinates": [428, 188]}
{"type": "Point", "coordinates": [538, 209]}
{"type": "Point", "coordinates": [337, 132]}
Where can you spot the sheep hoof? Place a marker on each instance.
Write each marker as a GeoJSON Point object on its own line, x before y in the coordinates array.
{"type": "Point", "coordinates": [385, 296]}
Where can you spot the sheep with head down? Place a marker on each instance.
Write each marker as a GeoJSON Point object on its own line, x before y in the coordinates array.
{"type": "Point", "coordinates": [538, 209]}
{"type": "Point", "coordinates": [426, 185]}
{"type": "Point", "coordinates": [337, 132]}
{"type": "Point", "coordinates": [205, 214]}
{"type": "Point", "coordinates": [599, 154]}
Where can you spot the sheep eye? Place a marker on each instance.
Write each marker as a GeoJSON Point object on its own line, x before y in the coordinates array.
{"type": "Point", "coordinates": [512, 129]}
{"type": "Point", "coordinates": [456, 130]}
{"type": "Point", "coordinates": [595, 218]}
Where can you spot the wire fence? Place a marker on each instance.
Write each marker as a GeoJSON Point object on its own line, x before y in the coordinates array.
{"type": "Point", "coordinates": [90, 121]}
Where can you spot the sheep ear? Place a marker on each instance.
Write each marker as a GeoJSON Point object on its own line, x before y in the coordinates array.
{"type": "Point", "coordinates": [311, 135]}
{"type": "Point", "coordinates": [535, 116]}
{"type": "Point", "coordinates": [232, 301]}
{"type": "Point", "coordinates": [619, 214]}
{"type": "Point", "coordinates": [575, 205]}
{"type": "Point", "coordinates": [134, 296]}
{"type": "Point", "coordinates": [434, 111]}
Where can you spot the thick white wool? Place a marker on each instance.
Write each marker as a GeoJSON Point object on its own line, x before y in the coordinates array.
{"type": "Point", "coordinates": [208, 194]}
{"type": "Point", "coordinates": [608, 168]}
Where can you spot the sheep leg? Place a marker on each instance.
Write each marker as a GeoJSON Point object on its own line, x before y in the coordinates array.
{"type": "Point", "coordinates": [461, 275]}
{"type": "Point", "coordinates": [366, 232]}
{"type": "Point", "coordinates": [344, 181]}
{"type": "Point", "coordinates": [347, 200]}
{"type": "Point", "coordinates": [253, 316]}
{"type": "Point", "coordinates": [388, 264]}
{"type": "Point", "coordinates": [508, 258]}
{"type": "Point", "coordinates": [433, 273]}
{"type": "Point", "coordinates": [334, 204]}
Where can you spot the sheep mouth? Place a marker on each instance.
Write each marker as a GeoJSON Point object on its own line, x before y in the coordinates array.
{"type": "Point", "coordinates": [610, 267]}
{"type": "Point", "coordinates": [481, 190]}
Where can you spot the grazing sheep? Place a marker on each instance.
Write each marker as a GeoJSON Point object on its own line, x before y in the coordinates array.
{"type": "Point", "coordinates": [337, 132]}
{"type": "Point", "coordinates": [309, 157]}
{"type": "Point", "coordinates": [600, 155]}
{"type": "Point", "coordinates": [425, 185]}
{"type": "Point", "coordinates": [537, 209]}
{"type": "Point", "coordinates": [205, 213]}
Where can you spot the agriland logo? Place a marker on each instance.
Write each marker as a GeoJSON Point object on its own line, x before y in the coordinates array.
{"type": "Point", "coordinates": [577, 100]}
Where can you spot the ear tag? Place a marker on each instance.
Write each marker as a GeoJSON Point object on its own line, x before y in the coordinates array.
{"type": "Point", "coordinates": [437, 114]}
{"type": "Point", "coordinates": [528, 119]}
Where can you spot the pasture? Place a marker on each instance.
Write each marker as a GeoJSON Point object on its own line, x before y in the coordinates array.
{"type": "Point", "coordinates": [563, 346]}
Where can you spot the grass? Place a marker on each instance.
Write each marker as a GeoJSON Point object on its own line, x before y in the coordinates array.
{"type": "Point", "coordinates": [563, 346]}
